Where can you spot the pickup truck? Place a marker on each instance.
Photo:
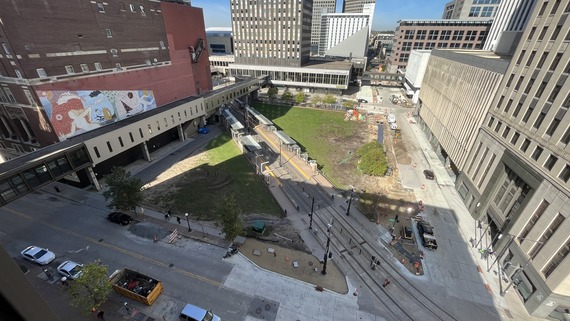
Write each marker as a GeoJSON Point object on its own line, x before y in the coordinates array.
{"type": "Point", "coordinates": [426, 235]}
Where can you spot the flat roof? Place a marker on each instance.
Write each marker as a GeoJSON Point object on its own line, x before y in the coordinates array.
{"type": "Point", "coordinates": [260, 118]}
{"type": "Point", "coordinates": [284, 138]}
{"type": "Point", "coordinates": [317, 64]}
{"type": "Point", "coordinates": [250, 143]}
{"type": "Point", "coordinates": [236, 125]}
{"type": "Point", "coordinates": [477, 58]}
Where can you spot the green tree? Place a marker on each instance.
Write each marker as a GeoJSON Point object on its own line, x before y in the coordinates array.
{"type": "Point", "coordinates": [272, 92]}
{"type": "Point", "coordinates": [124, 190]}
{"type": "Point", "coordinates": [91, 289]}
{"type": "Point", "coordinates": [287, 95]}
{"type": "Point", "coordinates": [300, 97]}
{"type": "Point", "coordinates": [348, 104]}
{"type": "Point", "coordinates": [316, 99]}
{"type": "Point", "coordinates": [329, 99]}
{"type": "Point", "coordinates": [230, 217]}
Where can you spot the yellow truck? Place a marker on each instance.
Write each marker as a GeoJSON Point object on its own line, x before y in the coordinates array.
{"type": "Point", "coordinates": [136, 286]}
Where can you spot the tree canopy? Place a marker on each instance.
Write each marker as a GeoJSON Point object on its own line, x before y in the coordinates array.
{"type": "Point", "coordinates": [329, 99]}
{"type": "Point", "coordinates": [287, 95]}
{"type": "Point", "coordinates": [90, 290]}
{"type": "Point", "coordinates": [300, 97]}
{"type": "Point", "coordinates": [124, 190]}
{"type": "Point", "coordinates": [272, 92]}
{"type": "Point", "coordinates": [373, 159]}
{"type": "Point", "coordinates": [229, 217]}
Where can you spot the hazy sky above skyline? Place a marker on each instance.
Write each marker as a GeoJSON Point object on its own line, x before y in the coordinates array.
{"type": "Point", "coordinates": [388, 12]}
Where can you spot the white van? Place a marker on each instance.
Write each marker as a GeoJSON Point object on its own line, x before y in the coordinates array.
{"type": "Point", "coordinates": [194, 313]}
{"type": "Point", "coordinates": [391, 118]}
{"type": "Point", "coordinates": [393, 126]}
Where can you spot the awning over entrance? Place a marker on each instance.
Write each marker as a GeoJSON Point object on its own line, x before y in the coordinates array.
{"type": "Point", "coordinates": [284, 138]}
{"type": "Point", "coordinates": [260, 118]}
{"type": "Point", "coordinates": [250, 143]}
{"type": "Point", "coordinates": [236, 125]}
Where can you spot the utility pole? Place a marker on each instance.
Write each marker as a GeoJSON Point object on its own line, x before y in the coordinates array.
{"type": "Point", "coordinates": [349, 202]}
{"type": "Point", "coordinates": [311, 215]}
{"type": "Point", "coordinates": [324, 271]}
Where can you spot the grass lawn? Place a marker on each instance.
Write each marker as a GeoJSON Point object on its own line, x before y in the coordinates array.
{"type": "Point", "coordinates": [318, 132]}
{"type": "Point", "coordinates": [229, 172]}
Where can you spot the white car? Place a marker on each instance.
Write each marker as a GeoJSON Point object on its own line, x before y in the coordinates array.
{"type": "Point", "coordinates": [38, 255]}
{"type": "Point", "coordinates": [70, 269]}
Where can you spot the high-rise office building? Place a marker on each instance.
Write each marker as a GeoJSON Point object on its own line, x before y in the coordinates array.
{"type": "Point", "coordinates": [434, 34]}
{"type": "Point", "coordinates": [272, 33]}
{"type": "Point", "coordinates": [320, 7]}
{"type": "Point", "coordinates": [344, 34]}
{"type": "Point", "coordinates": [358, 6]}
{"type": "Point", "coordinates": [514, 176]}
{"type": "Point", "coordinates": [508, 25]}
{"type": "Point", "coordinates": [471, 9]}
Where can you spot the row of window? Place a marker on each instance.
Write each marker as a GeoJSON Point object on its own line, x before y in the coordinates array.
{"type": "Point", "coordinates": [486, 1]}
{"type": "Point", "coordinates": [123, 7]}
{"type": "Point", "coordinates": [552, 159]}
{"type": "Point", "coordinates": [482, 12]}
{"type": "Point", "coordinates": [554, 7]}
{"type": "Point", "coordinates": [458, 35]}
{"type": "Point", "coordinates": [407, 46]}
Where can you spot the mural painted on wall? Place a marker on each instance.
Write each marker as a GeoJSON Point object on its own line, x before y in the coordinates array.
{"type": "Point", "coordinates": [74, 112]}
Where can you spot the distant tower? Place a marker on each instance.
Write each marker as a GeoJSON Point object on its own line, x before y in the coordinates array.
{"type": "Point", "coordinates": [471, 9]}
{"type": "Point", "coordinates": [320, 7]}
{"type": "Point", "coordinates": [272, 33]}
{"type": "Point", "coordinates": [360, 6]}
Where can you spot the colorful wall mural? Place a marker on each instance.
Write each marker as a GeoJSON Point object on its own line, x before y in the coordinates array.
{"type": "Point", "coordinates": [74, 112]}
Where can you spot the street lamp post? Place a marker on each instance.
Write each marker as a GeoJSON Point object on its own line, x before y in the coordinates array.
{"type": "Point", "coordinates": [311, 215]}
{"type": "Point", "coordinates": [324, 271]}
{"type": "Point", "coordinates": [188, 221]}
{"type": "Point", "coordinates": [349, 202]}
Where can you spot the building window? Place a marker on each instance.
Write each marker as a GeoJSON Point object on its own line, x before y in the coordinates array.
{"type": "Point", "coordinates": [445, 35]}
{"type": "Point", "coordinates": [121, 142]}
{"type": "Point", "coordinates": [555, 33]}
{"type": "Point", "coordinates": [6, 50]}
{"type": "Point", "coordinates": [530, 224]}
{"type": "Point", "coordinates": [531, 34]}
{"type": "Point", "coordinates": [458, 35]}
{"type": "Point", "coordinates": [108, 33]}
{"type": "Point", "coordinates": [566, 138]}
{"type": "Point", "coordinates": [550, 162]}
{"type": "Point", "coordinates": [543, 8]}
{"type": "Point", "coordinates": [565, 174]}
{"type": "Point", "coordinates": [542, 59]}
{"type": "Point", "coordinates": [69, 69]}
{"type": "Point", "coordinates": [409, 34]}
{"type": "Point", "coordinates": [540, 118]}
{"type": "Point", "coordinates": [141, 8]}
{"type": "Point", "coordinates": [521, 57]}
{"type": "Point", "coordinates": [527, 114]}
{"type": "Point", "coordinates": [519, 82]}
{"type": "Point", "coordinates": [555, 61]}
{"type": "Point", "coordinates": [555, 7]}
{"type": "Point", "coordinates": [557, 259]}
{"type": "Point", "coordinates": [491, 121]}
{"type": "Point", "coordinates": [433, 34]}
{"type": "Point", "coordinates": [543, 33]}
{"type": "Point", "coordinates": [525, 145]}
{"type": "Point", "coordinates": [515, 138]}
{"type": "Point", "coordinates": [131, 137]}
{"type": "Point", "coordinates": [101, 7]}
{"type": "Point", "coordinates": [109, 147]}
{"type": "Point", "coordinates": [554, 93]}
{"type": "Point", "coordinates": [530, 58]}
{"type": "Point", "coordinates": [406, 46]}
{"type": "Point", "coordinates": [487, 12]}
{"type": "Point", "coordinates": [118, 67]}
{"type": "Point", "coordinates": [141, 132]}
{"type": "Point", "coordinates": [553, 227]}
{"type": "Point", "coordinates": [421, 35]}
{"type": "Point", "coordinates": [133, 8]}
{"type": "Point", "coordinates": [511, 77]}
{"type": "Point", "coordinates": [498, 126]}
{"type": "Point", "coordinates": [529, 86]}
{"type": "Point", "coordinates": [30, 97]}
{"type": "Point", "coordinates": [162, 45]}
{"type": "Point", "coordinates": [506, 132]}
{"type": "Point", "coordinates": [517, 110]}
{"type": "Point", "coordinates": [96, 150]}
{"type": "Point", "coordinates": [508, 106]}
{"type": "Point", "coordinates": [474, 11]}
{"type": "Point", "coordinates": [418, 45]}
{"type": "Point", "coordinates": [41, 73]}
{"type": "Point", "coordinates": [84, 68]}
{"type": "Point", "coordinates": [540, 89]}
{"type": "Point", "coordinates": [537, 152]}
{"type": "Point", "coordinates": [114, 52]}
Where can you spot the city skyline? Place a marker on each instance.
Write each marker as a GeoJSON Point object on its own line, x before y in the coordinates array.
{"type": "Point", "coordinates": [386, 15]}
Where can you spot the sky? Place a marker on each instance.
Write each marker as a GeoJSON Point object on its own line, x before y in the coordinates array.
{"type": "Point", "coordinates": [386, 16]}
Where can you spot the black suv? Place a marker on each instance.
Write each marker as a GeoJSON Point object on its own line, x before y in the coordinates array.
{"type": "Point", "coordinates": [426, 235]}
{"type": "Point", "coordinates": [429, 174]}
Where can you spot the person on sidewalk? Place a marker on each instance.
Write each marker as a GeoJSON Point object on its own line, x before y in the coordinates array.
{"type": "Point", "coordinates": [386, 282]}
{"type": "Point", "coordinates": [101, 315]}
{"type": "Point", "coordinates": [178, 219]}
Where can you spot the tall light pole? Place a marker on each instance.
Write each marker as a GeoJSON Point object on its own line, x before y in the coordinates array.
{"type": "Point", "coordinates": [324, 271]}
{"type": "Point", "coordinates": [349, 202]}
{"type": "Point", "coordinates": [188, 221]}
{"type": "Point", "coordinates": [311, 215]}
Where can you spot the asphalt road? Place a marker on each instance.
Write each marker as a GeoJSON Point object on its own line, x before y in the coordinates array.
{"type": "Point", "coordinates": [191, 271]}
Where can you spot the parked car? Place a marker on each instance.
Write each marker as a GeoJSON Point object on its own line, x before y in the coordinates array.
{"type": "Point", "coordinates": [391, 118]}
{"type": "Point", "coordinates": [408, 234]}
{"type": "Point", "coordinates": [119, 218]}
{"type": "Point", "coordinates": [393, 126]}
{"type": "Point", "coordinates": [426, 235]}
{"type": "Point", "coordinates": [193, 313]}
{"type": "Point", "coordinates": [38, 255]}
{"type": "Point", "coordinates": [363, 101]}
{"type": "Point", "coordinates": [70, 269]}
{"type": "Point", "coordinates": [429, 174]}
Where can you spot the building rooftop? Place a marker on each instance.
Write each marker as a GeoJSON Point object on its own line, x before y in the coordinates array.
{"type": "Point", "coordinates": [444, 22]}
{"type": "Point", "coordinates": [317, 64]}
{"type": "Point", "coordinates": [476, 58]}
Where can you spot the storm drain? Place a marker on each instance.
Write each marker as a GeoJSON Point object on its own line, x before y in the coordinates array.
{"type": "Point", "coordinates": [263, 309]}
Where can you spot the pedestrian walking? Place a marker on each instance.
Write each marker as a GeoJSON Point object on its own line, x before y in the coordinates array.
{"type": "Point", "coordinates": [64, 281]}
{"type": "Point", "coordinates": [386, 282]}
{"type": "Point", "coordinates": [178, 219]}
{"type": "Point", "coordinates": [101, 315]}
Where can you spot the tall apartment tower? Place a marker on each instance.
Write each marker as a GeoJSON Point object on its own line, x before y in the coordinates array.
{"type": "Point", "coordinates": [272, 33]}
{"type": "Point", "coordinates": [508, 26]}
{"type": "Point", "coordinates": [471, 9]}
{"type": "Point", "coordinates": [519, 170]}
{"type": "Point", "coordinates": [358, 6]}
{"type": "Point", "coordinates": [320, 7]}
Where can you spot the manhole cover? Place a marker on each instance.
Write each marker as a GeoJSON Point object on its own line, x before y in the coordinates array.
{"type": "Point", "coordinates": [263, 309]}
{"type": "Point", "coordinates": [310, 263]}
